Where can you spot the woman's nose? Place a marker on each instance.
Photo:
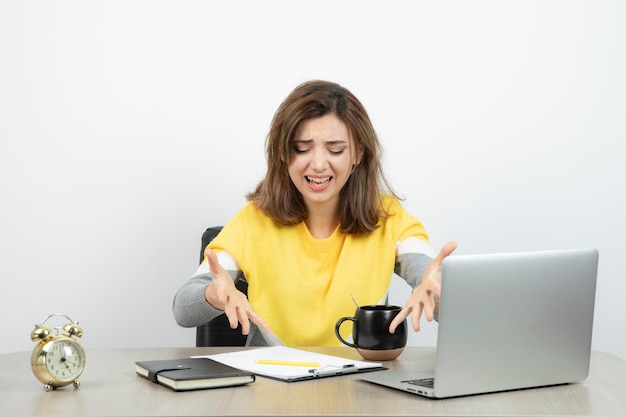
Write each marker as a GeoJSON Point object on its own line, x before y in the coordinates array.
{"type": "Point", "coordinates": [320, 161]}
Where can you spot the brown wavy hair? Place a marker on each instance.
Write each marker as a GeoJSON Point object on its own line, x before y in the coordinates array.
{"type": "Point", "coordinates": [360, 199]}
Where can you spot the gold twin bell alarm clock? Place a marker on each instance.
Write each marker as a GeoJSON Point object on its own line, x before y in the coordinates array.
{"type": "Point", "coordinates": [57, 360]}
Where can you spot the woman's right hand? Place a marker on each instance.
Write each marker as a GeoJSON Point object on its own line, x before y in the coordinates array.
{"type": "Point", "coordinates": [223, 295]}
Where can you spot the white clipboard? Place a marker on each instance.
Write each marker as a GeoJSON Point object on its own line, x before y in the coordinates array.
{"type": "Point", "coordinates": [248, 360]}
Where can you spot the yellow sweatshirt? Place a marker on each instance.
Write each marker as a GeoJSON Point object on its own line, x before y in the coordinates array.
{"type": "Point", "coordinates": [300, 285]}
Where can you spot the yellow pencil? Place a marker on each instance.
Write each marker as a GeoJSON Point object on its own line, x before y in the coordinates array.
{"type": "Point", "coordinates": [287, 363]}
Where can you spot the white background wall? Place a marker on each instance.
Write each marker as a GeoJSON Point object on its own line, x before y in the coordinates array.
{"type": "Point", "coordinates": [127, 127]}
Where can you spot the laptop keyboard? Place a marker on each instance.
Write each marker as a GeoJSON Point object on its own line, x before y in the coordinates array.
{"type": "Point", "coordinates": [423, 382]}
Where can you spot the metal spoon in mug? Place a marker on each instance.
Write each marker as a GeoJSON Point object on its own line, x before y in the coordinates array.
{"type": "Point", "coordinates": [354, 301]}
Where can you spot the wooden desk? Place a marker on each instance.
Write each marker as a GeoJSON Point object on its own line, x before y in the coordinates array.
{"type": "Point", "coordinates": [110, 387]}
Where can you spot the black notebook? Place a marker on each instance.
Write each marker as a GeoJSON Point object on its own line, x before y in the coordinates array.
{"type": "Point", "coordinates": [192, 374]}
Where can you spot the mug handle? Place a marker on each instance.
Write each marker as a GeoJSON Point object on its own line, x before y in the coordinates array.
{"type": "Point", "coordinates": [339, 323]}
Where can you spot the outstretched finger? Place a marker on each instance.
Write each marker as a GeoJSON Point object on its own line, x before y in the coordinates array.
{"type": "Point", "coordinates": [417, 315]}
{"type": "Point", "coordinates": [400, 317]}
{"type": "Point", "coordinates": [445, 251]}
{"type": "Point", "coordinates": [244, 320]}
{"type": "Point", "coordinates": [234, 318]}
{"type": "Point", "coordinates": [256, 319]}
{"type": "Point", "coordinates": [215, 267]}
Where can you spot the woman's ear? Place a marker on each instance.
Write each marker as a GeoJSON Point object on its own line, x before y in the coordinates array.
{"type": "Point", "coordinates": [359, 154]}
{"type": "Point", "coordinates": [358, 158]}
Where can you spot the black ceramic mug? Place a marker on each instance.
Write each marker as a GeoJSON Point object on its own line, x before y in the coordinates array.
{"type": "Point", "coordinates": [370, 332]}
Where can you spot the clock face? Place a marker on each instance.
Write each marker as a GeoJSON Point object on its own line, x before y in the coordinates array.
{"type": "Point", "coordinates": [65, 360]}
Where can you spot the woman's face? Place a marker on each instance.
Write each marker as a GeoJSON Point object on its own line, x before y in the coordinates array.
{"type": "Point", "coordinates": [321, 160]}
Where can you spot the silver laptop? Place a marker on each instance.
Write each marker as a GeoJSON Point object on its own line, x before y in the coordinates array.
{"type": "Point", "coordinates": [508, 321]}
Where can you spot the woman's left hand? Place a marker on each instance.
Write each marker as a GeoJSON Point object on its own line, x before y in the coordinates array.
{"type": "Point", "coordinates": [425, 297]}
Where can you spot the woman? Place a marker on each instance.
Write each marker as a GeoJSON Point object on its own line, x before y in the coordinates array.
{"type": "Point", "coordinates": [323, 226]}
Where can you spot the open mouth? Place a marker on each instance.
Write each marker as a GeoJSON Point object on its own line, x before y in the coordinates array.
{"type": "Point", "coordinates": [318, 181]}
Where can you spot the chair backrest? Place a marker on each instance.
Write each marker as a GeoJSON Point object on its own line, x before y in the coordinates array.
{"type": "Point", "coordinates": [218, 332]}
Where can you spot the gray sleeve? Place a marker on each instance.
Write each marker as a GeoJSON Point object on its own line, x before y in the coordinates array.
{"type": "Point", "coordinates": [190, 307]}
{"type": "Point", "coordinates": [192, 310]}
{"type": "Point", "coordinates": [411, 266]}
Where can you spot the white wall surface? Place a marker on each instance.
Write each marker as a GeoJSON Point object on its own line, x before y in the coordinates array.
{"type": "Point", "coordinates": [127, 127]}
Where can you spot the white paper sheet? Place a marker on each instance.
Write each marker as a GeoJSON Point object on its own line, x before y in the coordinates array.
{"type": "Point", "coordinates": [329, 365]}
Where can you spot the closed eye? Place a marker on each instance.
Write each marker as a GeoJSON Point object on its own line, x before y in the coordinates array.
{"type": "Point", "coordinates": [334, 147]}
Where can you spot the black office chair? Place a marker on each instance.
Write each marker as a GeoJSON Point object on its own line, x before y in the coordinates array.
{"type": "Point", "coordinates": [217, 332]}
